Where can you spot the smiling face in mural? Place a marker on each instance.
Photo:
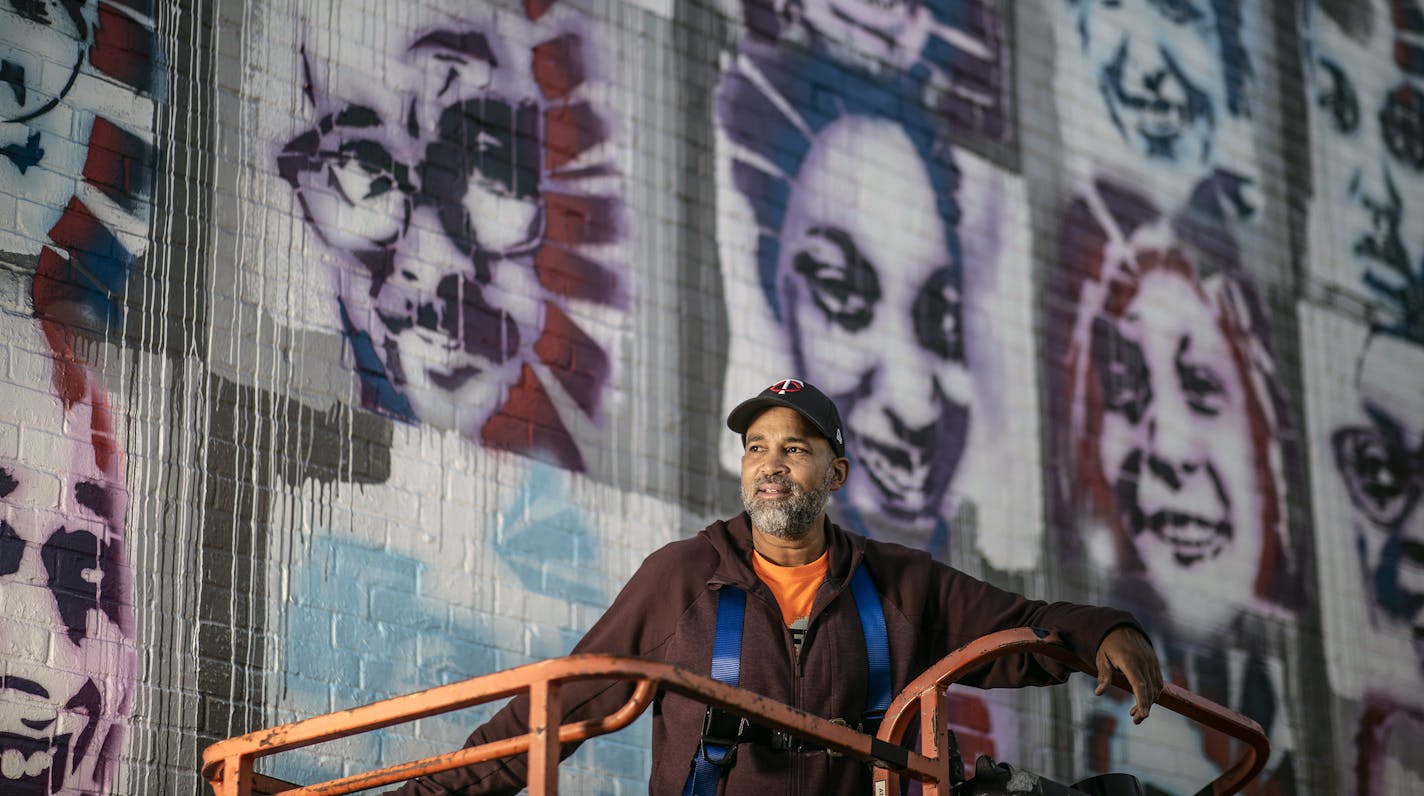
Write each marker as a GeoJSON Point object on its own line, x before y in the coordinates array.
{"type": "Point", "coordinates": [872, 294]}
{"type": "Point", "coordinates": [1158, 69]}
{"type": "Point", "coordinates": [66, 627]}
{"type": "Point", "coordinates": [1176, 443]}
{"type": "Point", "coordinates": [1372, 120]}
{"type": "Point", "coordinates": [1381, 461]}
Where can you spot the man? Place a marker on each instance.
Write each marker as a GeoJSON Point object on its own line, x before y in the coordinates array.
{"type": "Point", "coordinates": [802, 641]}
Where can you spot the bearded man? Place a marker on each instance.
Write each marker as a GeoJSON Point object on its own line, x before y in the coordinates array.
{"type": "Point", "coordinates": [803, 585]}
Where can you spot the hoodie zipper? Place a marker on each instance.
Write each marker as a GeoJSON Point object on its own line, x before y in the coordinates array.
{"type": "Point", "coordinates": [798, 772]}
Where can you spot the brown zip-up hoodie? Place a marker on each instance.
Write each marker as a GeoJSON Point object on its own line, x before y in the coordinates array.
{"type": "Point", "coordinates": [668, 612]}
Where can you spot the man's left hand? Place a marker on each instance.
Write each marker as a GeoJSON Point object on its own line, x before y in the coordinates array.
{"type": "Point", "coordinates": [1126, 650]}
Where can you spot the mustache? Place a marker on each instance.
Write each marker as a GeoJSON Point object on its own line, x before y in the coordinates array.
{"type": "Point", "coordinates": [776, 480]}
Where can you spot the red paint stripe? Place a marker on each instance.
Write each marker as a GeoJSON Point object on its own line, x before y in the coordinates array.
{"type": "Point", "coordinates": [123, 49]}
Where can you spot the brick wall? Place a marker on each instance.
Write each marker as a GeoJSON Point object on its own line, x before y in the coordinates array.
{"type": "Point", "coordinates": [354, 348]}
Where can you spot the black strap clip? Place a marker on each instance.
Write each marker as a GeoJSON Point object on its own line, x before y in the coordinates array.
{"type": "Point", "coordinates": [723, 731]}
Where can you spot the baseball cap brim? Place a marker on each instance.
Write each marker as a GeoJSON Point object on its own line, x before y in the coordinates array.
{"type": "Point", "coordinates": [741, 418]}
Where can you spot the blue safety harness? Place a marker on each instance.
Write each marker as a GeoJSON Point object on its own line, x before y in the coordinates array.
{"type": "Point", "coordinates": [718, 750]}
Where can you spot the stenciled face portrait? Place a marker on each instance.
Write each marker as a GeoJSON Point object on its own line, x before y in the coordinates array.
{"type": "Point", "coordinates": [434, 193]}
{"type": "Point", "coordinates": [1380, 460]}
{"type": "Point", "coordinates": [1174, 440]}
{"type": "Point", "coordinates": [872, 296]}
{"type": "Point", "coordinates": [1370, 121]}
{"type": "Point", "coordinates": [67, 660]}
{"type": "Point", "coordinates": [1158, 68]}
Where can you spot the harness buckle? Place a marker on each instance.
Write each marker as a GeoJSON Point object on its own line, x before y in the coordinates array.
{"type": "Point", "coordinates": [723, 731]}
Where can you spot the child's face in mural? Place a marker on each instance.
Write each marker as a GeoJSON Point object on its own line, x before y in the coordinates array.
{"type": "Point", "coordinates": [1157, 66]}
{"type": "Point", "coordinates": [66, 661]}
{"type": "Point", "coordinates": [40, 54]}
{"type": "Point", "coordinates": [873, 303]}
{"type": "Point", "coordinates": [1372, 182]}
{"type": "Point", "coordinates": [1176, 443]}
{"type": "Point", "coordinates": [1381, 460]}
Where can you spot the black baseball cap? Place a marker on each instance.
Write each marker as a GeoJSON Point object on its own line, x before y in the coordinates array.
{"type": "Point", "coordinates": [796, 394]}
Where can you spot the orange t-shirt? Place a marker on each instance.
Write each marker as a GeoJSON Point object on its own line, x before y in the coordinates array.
{"type": "Point", "coordinates": [794, 587]}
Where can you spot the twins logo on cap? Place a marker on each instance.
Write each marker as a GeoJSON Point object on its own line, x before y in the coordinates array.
{"type": "Point", "coordinates": [787, 385]}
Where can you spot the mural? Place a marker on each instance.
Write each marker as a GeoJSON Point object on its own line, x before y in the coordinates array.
{"type": "Point", "coordinates": [1365, 439]}
{"type": "Point", "coordinates": [466, 201]}
{"type": "Point", "coordinates": [954, 53]}
{"type": "Point", "coordinates": [863, 252]}
{"type": "Point", "coordinates": [1171, 82]}
{"type": "Point", "coordinates": [827, 287]}
{"type": "Point", "coordinates": [1173, 485]}
{"type": "Point", "coordinates": [1173, 434]}
{"type": "Point", "coordinates": [401, 425]}
{"type": "Point", "coordinates": [67, 628]}
{"type": "Point", "coordinates": [76, 136]}
{"type": "Point", "coordinates": [1365, 71]}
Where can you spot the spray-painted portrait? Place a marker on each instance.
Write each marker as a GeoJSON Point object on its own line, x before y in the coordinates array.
{"type": "Point", "coordinates": [1365, 75]}
{"type": "Point", "coordinates": [1366, 440]}
{"type": "Point", "coordinates": [454, 200]}
{"type": "Point", "coordinates": [1174, 428]}
{"type": "Point", "coordinates": [955, 54]}
{"type": "Point", "coordinates": [1171, 80]}
{"type": "Point", "coordinates": [67, 627]}
{"type": "Point", "coordinates": [864, 253]}
{"type": "Point", "coordinates": [1171, 484]}
{"type": "Point", "coordinates": [865, 297]}
{"type": "Point", "coordinates": [1364, 68]}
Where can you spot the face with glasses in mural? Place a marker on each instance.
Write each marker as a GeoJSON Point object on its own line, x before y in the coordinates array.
{"type": "Point", "coordinates": [434, 193]}
{"type": "Point", "coordinates": [1366, 72]}
{"type": "Point", "coordinates": [1380, 458]}
{"type": "Point", "coordinates": [1166, 71]}
{"type": "Point", "coordinates": [874, 311]}
{"type": "Point", "coordinates": [66, 629]}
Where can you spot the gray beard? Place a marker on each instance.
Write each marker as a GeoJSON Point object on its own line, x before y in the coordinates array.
{"type": "Point", "coordinates": [791, 518]}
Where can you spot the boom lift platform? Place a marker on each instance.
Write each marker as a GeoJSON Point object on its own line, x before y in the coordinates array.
{"type": "Point", "coordinates": [229, 765]}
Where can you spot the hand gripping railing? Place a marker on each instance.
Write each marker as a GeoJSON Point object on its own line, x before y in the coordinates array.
{"type": "Point", "coordinates": [927, 693]}
{"type": "Point", "coordinates": [229, 765]}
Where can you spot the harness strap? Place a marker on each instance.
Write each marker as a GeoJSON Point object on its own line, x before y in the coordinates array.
{"type": "Point", "coordinates": [721, 732]}
{"type": "Point", "coordinates": [713, 758]}
{"type": "Point", "coordinates": [877, 643]}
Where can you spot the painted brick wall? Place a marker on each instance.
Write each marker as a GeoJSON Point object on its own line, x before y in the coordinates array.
{"type": "Point", "coordinates": [352, 348]}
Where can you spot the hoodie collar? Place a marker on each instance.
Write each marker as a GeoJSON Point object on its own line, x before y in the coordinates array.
{"type": "Point", "coordinates": [732, 540]}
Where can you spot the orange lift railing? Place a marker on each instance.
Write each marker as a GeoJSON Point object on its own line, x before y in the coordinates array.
{"type": "Point", "coordinates": [229, 765]}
